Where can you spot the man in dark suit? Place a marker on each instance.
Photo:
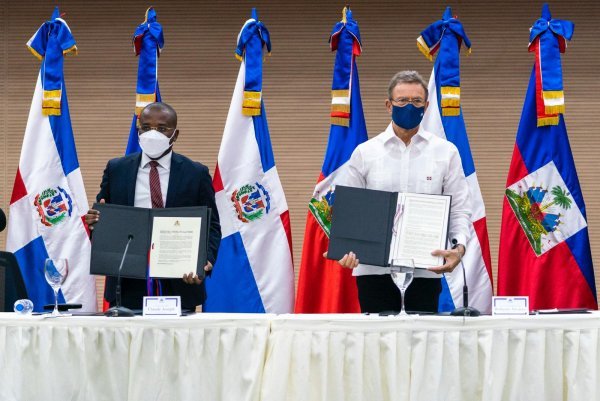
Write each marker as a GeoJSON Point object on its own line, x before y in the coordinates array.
{"type": "Point", "coordinates": [159, 177]}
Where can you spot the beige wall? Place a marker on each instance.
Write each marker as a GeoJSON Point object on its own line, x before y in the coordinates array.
{"type": "Point", "coordinates": [197, 74]}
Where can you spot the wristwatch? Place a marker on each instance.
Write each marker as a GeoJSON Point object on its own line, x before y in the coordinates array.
{"type": "Point", "coordinates": [456, 245]}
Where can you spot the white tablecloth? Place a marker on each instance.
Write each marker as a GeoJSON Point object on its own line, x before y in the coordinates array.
{"type": "Point", "coordinates": [300, 357]}
{"type": "Point", "coordinates": [433, 358]}
{"type": "Point", "coordinates": [203, 357]}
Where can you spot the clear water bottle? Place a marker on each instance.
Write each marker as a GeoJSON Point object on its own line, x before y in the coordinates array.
{"type": "Point", "coordinates": [23, 307]}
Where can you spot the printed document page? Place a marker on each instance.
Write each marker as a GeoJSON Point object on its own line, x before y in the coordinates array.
{"type": "Point", "coordinates": [174, 249]}
{"type": "Point", "coordinates": [420, 226]}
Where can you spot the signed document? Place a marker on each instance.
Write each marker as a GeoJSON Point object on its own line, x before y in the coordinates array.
{"type": "Point", "coordinates": [174, 246]}
{"type": "Point", "coordinates": [420, 226]}
{"type": "Point", "coordinates": [174, 237]}
{"type": "Point", "coordinates": [379, 226]}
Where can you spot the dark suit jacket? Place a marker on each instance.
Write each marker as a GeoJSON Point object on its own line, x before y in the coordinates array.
{"type": "Point", "coordinates": [190, 184]}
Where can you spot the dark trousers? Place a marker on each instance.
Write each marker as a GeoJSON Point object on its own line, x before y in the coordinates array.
{"type": "Point", "coordinates": [378, 293]}
{"type": "Point", "coordinates": [134, 290]}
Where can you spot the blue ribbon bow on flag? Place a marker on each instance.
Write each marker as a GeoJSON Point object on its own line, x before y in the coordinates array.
{"type": "Point", "coordinates": [345, 38]}
{"type": "Point", "coordinates": [51, 42]}
{"type": "Point", "coordinates": [547, 39]}
{"type": "Point", "coordinates": [252, 38]}
{"type": "Point", "coordinates": [148, 42]}
{"type": "Point", "coordinates": [447, 36]}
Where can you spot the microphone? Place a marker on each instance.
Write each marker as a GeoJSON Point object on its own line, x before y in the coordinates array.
{"type": "Point", "coordinates": [465, 310]}
{"type": "Point", "coordinates": [118, 310]}
{"type": "Point", "coordinates": [2, 220]}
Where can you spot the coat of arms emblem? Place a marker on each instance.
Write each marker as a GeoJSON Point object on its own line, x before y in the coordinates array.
{"type": "Point", "coordinates": [53, 205]}
{"type": "Point", "coordinates": [544, 208]}
{"type": "Point", "coordinates": [321, 208]}
{"type": "Point", "coordinates": [251, 202]}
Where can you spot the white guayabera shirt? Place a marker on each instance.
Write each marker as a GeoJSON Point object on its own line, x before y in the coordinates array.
{"type": "Point", "coordinates": [428, 165]}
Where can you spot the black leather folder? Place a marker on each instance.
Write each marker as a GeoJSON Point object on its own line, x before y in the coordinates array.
{"type": "Point", "coordinates": [362, 222]}
{"type": "Point", "coordinates": [117, 223]}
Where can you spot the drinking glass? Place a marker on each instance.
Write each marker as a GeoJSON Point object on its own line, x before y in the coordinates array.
{"type": "Point", "coordinates": [56, 271]}
{"type": "Point", "coordinates": [402, 271]}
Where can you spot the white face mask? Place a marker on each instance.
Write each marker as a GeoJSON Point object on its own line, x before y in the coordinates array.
{"type": "Point", "coordinates": [154, 144]}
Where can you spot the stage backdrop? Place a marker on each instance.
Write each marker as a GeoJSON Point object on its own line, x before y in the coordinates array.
{"type": "Point", "coordinates": [197, 72]}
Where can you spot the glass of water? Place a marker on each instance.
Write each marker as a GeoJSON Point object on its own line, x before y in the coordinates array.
{"type": "Point", "coordinates": [402, 271]}
{"type": "Point", "coordinates": [56, 271]}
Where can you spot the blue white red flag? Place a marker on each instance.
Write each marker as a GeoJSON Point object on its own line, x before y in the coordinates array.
{"type": "Point", "coordinates": [254, 271]}
{"type": "Point", "coordinates": [49, 203]}
{"type": "Point", "coordinates": [444, 118]}
{"type": "Point", "coordinates": [324, 286]}
{"type": "Point", "coordinates": [544, 243]}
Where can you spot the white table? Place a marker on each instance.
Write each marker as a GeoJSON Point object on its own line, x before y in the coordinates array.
{"type": "Point", "coordinates": [357, 357]}
{"type": "Point", "coordinates": [300, 357]}
{"type": "Point", "coordinates": [202, 357]}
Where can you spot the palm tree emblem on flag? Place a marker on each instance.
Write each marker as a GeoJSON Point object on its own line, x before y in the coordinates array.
{"type": "Point", "coordinates": [545, 212]}
{"type": "Point", "coordinates": [322, 209]}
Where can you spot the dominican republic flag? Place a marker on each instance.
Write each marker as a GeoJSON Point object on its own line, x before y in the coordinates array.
{"type": "Point", "coordinates": [544, 243]}
{"type": "Point", "coordinates": [254, 271]}
{"type": "Point", "coordinates": [48, 203]}
{"type": "Point", "coordinates": [324, 286]}
{"type": "Point", "coordinates": [444, 118]}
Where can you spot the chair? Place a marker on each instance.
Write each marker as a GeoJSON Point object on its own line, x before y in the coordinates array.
{"type": "Point", "coordinates": [12, 286]}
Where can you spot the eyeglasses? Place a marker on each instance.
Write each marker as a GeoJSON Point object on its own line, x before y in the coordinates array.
{"type": "Point", "coordinates": [162, 130]}
{"type": "Point", "coordinates": [403, 101]}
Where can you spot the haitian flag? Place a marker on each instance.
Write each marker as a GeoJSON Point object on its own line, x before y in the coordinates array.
{"type": "Point", "coordinates": [444, 118]}
{"type": "Point", "coordinates": [324, 286]}
{"type": "Point", "coordinates": [254, 271]}
{"type": "Point", "coordinates": [49, 203]}
{"type": "Point", "coordinates": [148, 42]}
{"type": "Point", "coordinates": [544, 244]}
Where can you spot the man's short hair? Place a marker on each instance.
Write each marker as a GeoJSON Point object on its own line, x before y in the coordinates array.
{"type": "Point", "coordinates": [164, 107]}
{"type": "Point", "coordinates": [407, 77]}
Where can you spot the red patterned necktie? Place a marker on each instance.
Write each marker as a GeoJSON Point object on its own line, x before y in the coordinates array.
{"type": "Point", "coordinates": [154, 286]}
{"type": "Point", "coordinates": [155, 192]}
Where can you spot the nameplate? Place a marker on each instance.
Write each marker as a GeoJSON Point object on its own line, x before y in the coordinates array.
{"type": "Point", "coordinates": [162, 306]}
{"type": "Point", "coordinates": [510, 305]}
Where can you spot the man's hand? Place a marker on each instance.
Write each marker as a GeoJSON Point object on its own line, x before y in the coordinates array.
{"type": "Point", "coordinates": [93, 216]}
{"type": "Point", "coordinates": [192, 278]}
{"type": "Point", "coordinates": [452, 257]}
{"type": "Point", "coordinates": [349, 260]}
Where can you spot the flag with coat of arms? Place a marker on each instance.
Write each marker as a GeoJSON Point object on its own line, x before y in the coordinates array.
{"type": "Point", "coordinates": [544, 242]}
{"type": "Point", "coordinates": [323, 285]}
{"type": "Point", "coordinates": [49, 203]}
{"type": "Point", "coordinates": [254, 271]}
{"type": "Point", "coordinates": [444, 117]}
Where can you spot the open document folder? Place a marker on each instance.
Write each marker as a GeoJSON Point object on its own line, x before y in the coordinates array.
{"type": "Point", "coordinates": [169, 242]}
{"type": "Point", "coordinates": [380, 226]}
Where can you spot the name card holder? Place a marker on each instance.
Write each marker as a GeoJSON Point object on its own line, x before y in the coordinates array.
{"type": "Point", "coordinates": [510, 306]}
{"type": "Point", "coordinates": [162, 306]}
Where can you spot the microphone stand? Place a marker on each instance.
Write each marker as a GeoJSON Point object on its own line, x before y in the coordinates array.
{"type": "Point", "coordinates": [465, 310]}
{"type": "Point", "coordinates": [118, 310]}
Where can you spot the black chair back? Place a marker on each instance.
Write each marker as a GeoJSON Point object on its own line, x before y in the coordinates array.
{"type": "Point", "coordinates": [12, 286]}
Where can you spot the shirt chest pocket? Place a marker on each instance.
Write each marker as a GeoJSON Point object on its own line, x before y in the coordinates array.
{"type": "Point", "coordinates": [430, 180]}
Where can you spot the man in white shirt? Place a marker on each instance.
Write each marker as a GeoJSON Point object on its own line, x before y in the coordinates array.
{"type": "Point", "coordinates": [406, 158]}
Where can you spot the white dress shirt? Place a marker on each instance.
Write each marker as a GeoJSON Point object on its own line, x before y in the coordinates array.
{"type": "Point", "coordinates": [428, 165]}
{"type": "Point", "coordinates": [142, 182]}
